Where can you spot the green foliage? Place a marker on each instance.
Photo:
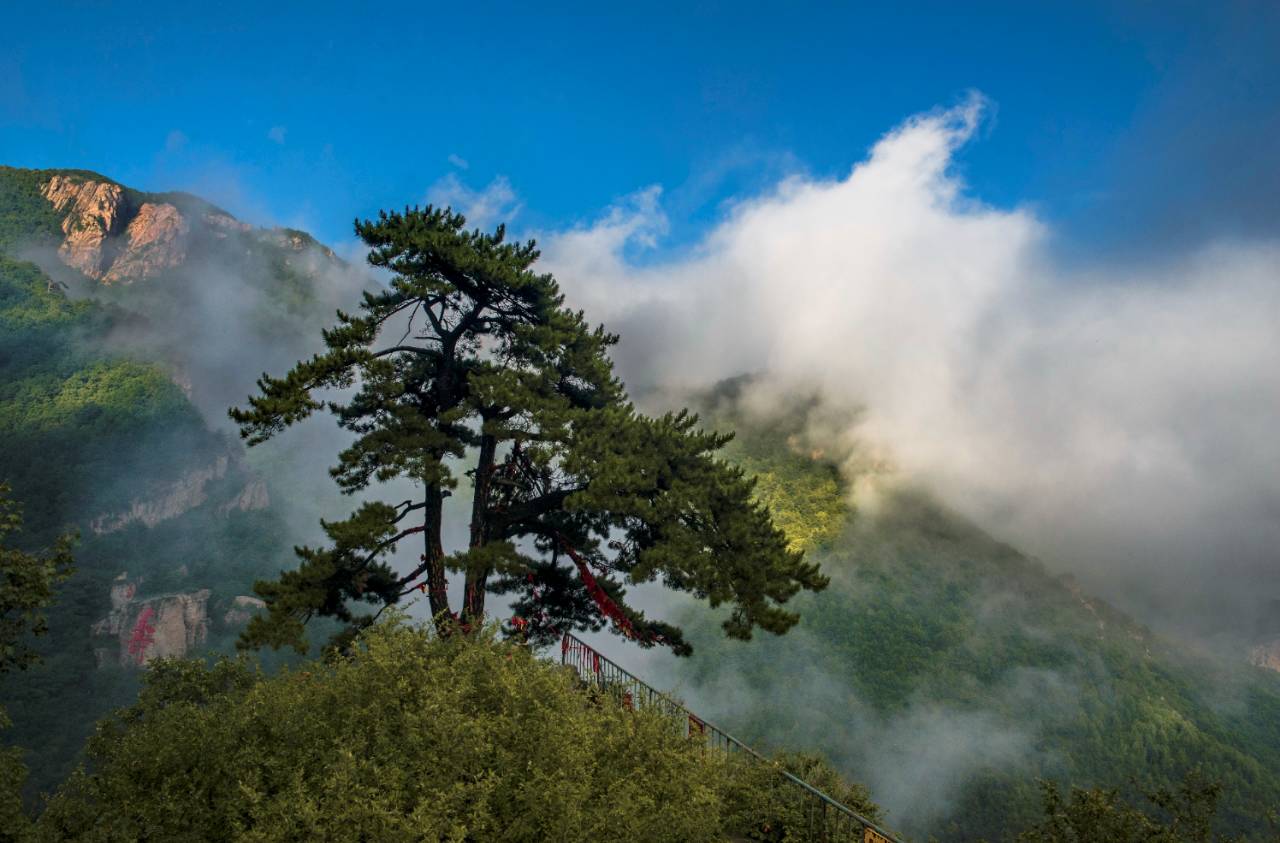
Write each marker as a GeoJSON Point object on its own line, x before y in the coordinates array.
{"type": "Point", "coordinates": [798, 485]}
{"type": "Point", "coordinates": [99, 400]}
{"type": "Point", "coordinates": [490, 368]}
{"type": "Point", "coordinates": [26, 217]}
{"type": "Point", "coordinates": [29, 305]}
{"type": "Point", "coordinates": [15, 825]}
{"type": "Point", "coordinates": [27, 583]}
{"type": "Point", "coordinates": [761, 804]}
{"type": "Point", "coordinates": [406, 737]}
{"type": "Point", "coordinates": [1173, 815]}
{"type": "Point", "coordinates": [62, 393]}
{"type": "Point", "coordinates": [925, 613]}
{"type": "Point", "coordinates": [928, 620]}
{"type": "Point", "coordinates": [85, 428]}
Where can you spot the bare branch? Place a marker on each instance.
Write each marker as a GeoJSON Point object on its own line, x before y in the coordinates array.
{"type": "Point", "coordinates": [409, 327]}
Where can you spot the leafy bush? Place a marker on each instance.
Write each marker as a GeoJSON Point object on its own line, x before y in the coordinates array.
{"type": "Point", "coordinates": [409, 737]}
{"type": "Point", "coordinates": [761, 804]}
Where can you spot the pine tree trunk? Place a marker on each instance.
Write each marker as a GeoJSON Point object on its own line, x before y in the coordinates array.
{"type": "Point", "coordinates": [478, 576]}
{"type": "Point", "coordinates": [433, 552]}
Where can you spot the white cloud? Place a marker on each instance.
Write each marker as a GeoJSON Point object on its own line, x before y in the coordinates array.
{"type": "Point", "coordinates": [496, 202]}
{"type": "Point", "coordinates": [458, 161]}
{"type": "Point", "coordinates": [276, 134]}
{"type": "Point", "coordinates": [1118, 421]}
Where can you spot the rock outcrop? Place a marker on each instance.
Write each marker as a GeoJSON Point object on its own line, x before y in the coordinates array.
{"type": "Point", "coordinates": [157, 241]}
{"type": "Point", "coordinates": [297, 241]}
{"type": "Point", "coordinates": [1266, 655]}
{"type": "Point", "coordinates": [252, 497]}
{"type": "Point", "coordinates": [115, 236]}
{"type": "Point", "coordinates": [182, 495]}
{"type": "Point", "coordinates": [242, 609]}
{"type": "Point", "coordinates": [107, 238]}
{"type": "Point", "coordinates": [95, 211]}
{"type": "Point", "coordinates": [137, 631]}
{"type": "Point", "coordinates": [185, 493]}
{"type": "Point", "coordinates": [225, 223]}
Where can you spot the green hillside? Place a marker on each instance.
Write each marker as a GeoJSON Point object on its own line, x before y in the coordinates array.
{"type": "Point", "coordinates": [90, 420]}
{"type": "Point", "coordinates": [948, 671]}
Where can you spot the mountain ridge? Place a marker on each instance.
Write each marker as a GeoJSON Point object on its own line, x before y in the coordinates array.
{"type": "Point", "coordinates": [949, 671]}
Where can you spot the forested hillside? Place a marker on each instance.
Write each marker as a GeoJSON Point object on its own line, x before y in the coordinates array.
{"type": "Point", "coordinates": [101, 434]}
{"type": "Point", "coordinates": [948, 671]}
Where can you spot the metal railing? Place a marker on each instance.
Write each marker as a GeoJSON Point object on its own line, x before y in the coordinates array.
{"type": "Point", "coordinates": [827, 820]}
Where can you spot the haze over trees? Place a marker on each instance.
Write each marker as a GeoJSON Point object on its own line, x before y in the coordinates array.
{"type": "Point", "coordinates": [470, 356]}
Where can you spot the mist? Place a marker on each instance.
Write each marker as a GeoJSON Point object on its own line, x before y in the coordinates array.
{"type": "Point", "coordinates": [1114, 419]}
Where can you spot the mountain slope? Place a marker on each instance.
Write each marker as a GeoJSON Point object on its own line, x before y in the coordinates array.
{"type": "Point", "coordinates": [114, 371]}
{"type": "Point", "coordinates": [949, 671]}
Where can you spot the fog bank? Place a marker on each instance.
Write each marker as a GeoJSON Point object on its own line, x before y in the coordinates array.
{"type": "Point", "coordinates": [1117, 421]}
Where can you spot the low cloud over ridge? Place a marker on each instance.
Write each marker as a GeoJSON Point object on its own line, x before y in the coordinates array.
{"type": "Point", "coordinates": [1117, 420]}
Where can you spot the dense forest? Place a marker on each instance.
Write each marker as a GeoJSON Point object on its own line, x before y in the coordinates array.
{"type": "Point", "coordinates": [945, 670]}
{"type": "Point", "coordinates": [951, 672]}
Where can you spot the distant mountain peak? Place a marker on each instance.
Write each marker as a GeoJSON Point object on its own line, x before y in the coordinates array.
{"type": "Point", "coordinates": [116, 235]}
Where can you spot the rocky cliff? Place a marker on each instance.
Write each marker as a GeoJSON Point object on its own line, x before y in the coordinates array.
{"type": "Point", "coordinates": [242, 609]}
{"type": "Point", "coordinates": [139, 629]}
{"type": "Point", "coordinates": [110, 240]}
{"type": "Point", "coordinates": [118, 236]}
{"type": "Point", "coordinates": [184, 494]}
{"type": "Point", "coordinates": [94, 212]}
{"type": "Point", "coordinates": [156, 241]}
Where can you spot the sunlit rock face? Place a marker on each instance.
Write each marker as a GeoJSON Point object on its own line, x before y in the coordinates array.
{"type": "Point", "coordinates": [108, 239]}
{"type": "Point", "coordinates": [95, 211]}
{"type": "Point", "coordinates": [157, 240]}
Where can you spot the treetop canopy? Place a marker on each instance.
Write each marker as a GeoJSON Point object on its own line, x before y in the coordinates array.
{"type": "Point", "coordinates": [470, 360]}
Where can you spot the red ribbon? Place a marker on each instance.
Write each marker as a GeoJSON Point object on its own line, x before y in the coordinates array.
{"type": "Point", "coordinates": [607, 607]}
{"type": "Point", "coordinates": [143, 634]}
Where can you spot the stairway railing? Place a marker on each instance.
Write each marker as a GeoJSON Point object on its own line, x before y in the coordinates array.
{"type": "Point", "coordinates": [828, 819]}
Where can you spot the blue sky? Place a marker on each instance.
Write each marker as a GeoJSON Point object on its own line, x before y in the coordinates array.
{"type": "Point", "coordinates": [1056, 303]}
{"type": "Point", "coordinates": [1122, 122]}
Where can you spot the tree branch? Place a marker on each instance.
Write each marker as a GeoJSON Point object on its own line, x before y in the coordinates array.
{"type": "Point", "coordinates": [393, 349]}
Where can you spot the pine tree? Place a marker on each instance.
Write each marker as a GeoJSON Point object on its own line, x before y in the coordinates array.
{"type": "Point", "coordinates": [470, 358]}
